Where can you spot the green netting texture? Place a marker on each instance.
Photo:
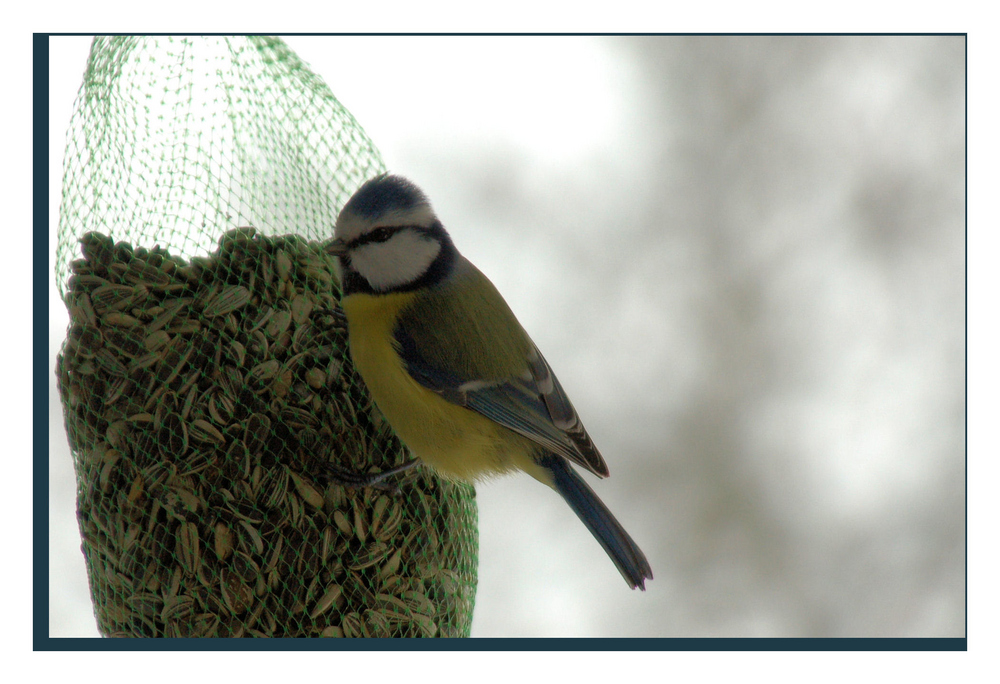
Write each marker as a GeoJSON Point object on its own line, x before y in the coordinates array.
{"type": "Point", "coordinates": [217, 425]}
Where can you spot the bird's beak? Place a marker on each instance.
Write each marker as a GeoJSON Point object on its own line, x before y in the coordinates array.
{"type": "Point", "coordinates": [336, 247]}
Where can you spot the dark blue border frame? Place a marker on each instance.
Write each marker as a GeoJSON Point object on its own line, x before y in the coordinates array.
{"type": "Point", "coordinates": [43, 642]}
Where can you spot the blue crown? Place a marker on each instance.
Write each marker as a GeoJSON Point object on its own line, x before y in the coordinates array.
{"type": "Point", "coordinates": [385, 193]}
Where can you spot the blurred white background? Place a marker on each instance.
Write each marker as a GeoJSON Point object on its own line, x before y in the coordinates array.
{"type": "Point", "coordinates": [744, 258]}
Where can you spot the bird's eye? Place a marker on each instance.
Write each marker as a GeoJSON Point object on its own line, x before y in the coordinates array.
{"type": "Point", "coordinates": [381, 234]}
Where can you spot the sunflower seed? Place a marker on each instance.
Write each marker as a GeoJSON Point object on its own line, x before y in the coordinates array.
{"type": "Point", "coordinates": [203, 431]}
{"type": "Point", "coordinates": [351, 625]}
{"type": "Point", "coordinates": [328, 598]}
{"type": "Point", "coordinates": [315, 378]}
{"type": "Point", "coordinates": [156, 340]}
{"type": "Point", "coordinates": [88, 339]}
{"type": "Point", "coordinates": [189, 548]}
{"type": "Point", "coordinates": [340, 520]}
{"type": "Point", "coordinates": [229, 299]}
{"type": "Point", "coordinates": [141, 272]}
{"type": "Point", "coordinates": [308, 493]}
{"type": "Point", "coordinates": [117, 318]}
{"type": "Point", "coordinates": [278, 324]}
{"type": "Point", "coordinates": [109, 297]}
{"type": "Point", "coordinates": [223, 541]}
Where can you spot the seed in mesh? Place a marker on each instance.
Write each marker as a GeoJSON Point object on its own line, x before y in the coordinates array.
{"type": "Point", "coordinates": [283, 264]}
{"type": "Point", "coordinates": [203, 431]}
{"type": "Point", "coordinates": [141, 272]}
{"type": "Point", "coordinates": [428, 627]}
{"type": "Point", "coordinates": [327, 544]}
{"type": "Point", "coordinates": [315, 378]}
{"type": "Point", "coordinates": [342, 523]}
{"type": "Point", "coordinates": [87, 338]}
{"type": "Point", "coordinates": [81, 310]}
{"type": "Point", "coordinates": [226, 301]}
{"type": "Point", "coordinates": [302, 307]}
{"type": "Point", "coordinates": [107, 298]}
{"type": "Point", "coordinates": [108, 362]}
{"type": "Point", "coordinates": [390, 525]}
{"type": "Point", "coordinates": [135, 492]}
{"type": "Point", "coordinates": [351, 625]}
{"type": "Point", "coordinates": [417, 602]}
{"type": "Point", "coordinates": [172, 363]}
{"type": "Point", "coordinates": [391, 566]}
{"type": "Point", "coordinates": [156, 340]}
{"type": "Point", "coordinates": [264, 371]}
{"type": "Point", "coordinates": [371, 555]}
{"type": "Point", "coordinates": [143, 361]}
{"type": "Point", "coordinates": [177, 607]}
{"type": "Point", "coordinates": [98, 249]}
{"type": "Point", "coordinates": [256, 433]}
{"type": "Point", "coordinates": [360, 526]}
{"type": "Point", "coordinates": [184, 326]}
{"type": "Point", "coordinates": [170, 310]}
{"type": "Point", "coordinates": [189, 547]}
{"type": "Point", "coordinates": [238, 352]}
{"type": "Point", "coordinates": [117, 318]}
{"type": "Point", "coordinates": [249, 532]}
{"type": "Point", "coordinates": [328, 598]}
{"type": "Point", "coordinates": [278, 324]}
{"type": "Point", "coordinates": [236, 593]}
{"type": "Point", "coordinates": [307, 491]}
{"type": "Point", "coordinates": [223, 540]}
{"type": "Point", "coordinates": [127, 342]}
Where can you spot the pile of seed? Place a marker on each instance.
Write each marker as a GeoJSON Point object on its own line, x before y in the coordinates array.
{"type": "Point", "coordinates": [205, 402]}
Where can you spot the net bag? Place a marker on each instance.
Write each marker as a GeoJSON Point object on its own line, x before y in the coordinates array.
{"type": "Point", "coordinates": [213, 413]}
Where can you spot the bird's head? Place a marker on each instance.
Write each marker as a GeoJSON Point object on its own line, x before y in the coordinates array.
{"type": "Point", "coordinates": [388, 239]}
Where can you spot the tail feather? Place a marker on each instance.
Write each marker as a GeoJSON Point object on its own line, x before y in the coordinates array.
{"type": "Point", "coordinates": [625, 553]}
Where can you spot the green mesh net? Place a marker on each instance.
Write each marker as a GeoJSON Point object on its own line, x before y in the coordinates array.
{"type": "Point", "coordinates": [208, 395]}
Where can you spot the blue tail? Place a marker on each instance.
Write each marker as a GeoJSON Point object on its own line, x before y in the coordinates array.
{"type": "Point", "coordinates": [627, 556]}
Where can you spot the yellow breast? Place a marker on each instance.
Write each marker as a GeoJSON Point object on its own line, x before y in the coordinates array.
{"type": "Point", "coordinates": [457, 442]}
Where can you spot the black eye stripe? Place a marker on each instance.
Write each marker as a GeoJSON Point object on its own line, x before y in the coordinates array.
{"type": "Point", "coordinates": [380, 234]}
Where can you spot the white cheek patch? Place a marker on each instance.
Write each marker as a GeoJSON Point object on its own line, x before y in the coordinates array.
{"type": "Point", "coordinates": [398, 261]}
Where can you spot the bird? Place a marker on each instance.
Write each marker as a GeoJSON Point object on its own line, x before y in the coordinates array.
{"type": "Point", "coordinates": [450, 367]}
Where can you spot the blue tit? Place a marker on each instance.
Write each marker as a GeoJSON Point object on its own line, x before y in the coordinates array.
{"type": "Point", "coordinates": [453, 372]}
